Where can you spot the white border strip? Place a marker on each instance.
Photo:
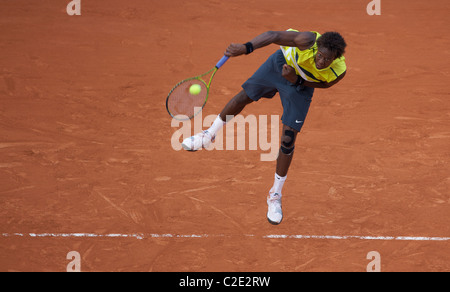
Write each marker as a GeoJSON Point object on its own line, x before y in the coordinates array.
{"type": "Point", "coordinates": [141, 236]}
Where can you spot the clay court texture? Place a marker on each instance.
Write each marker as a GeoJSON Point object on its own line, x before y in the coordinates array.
{"type": "Point", "coordinates": [86, 162]}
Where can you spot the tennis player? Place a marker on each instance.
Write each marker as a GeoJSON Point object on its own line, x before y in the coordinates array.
{"type": "Point", "coordinates": [306, 60]}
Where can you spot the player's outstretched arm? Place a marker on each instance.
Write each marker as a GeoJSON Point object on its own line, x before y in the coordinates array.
{"type": "Point", "coordinates": [302, 40]}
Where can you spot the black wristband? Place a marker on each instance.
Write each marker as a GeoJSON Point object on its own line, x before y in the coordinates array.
{"type": "Point", "coordinates": [300, 80]}
{"type": "Point", "coordinates": [249, 47]}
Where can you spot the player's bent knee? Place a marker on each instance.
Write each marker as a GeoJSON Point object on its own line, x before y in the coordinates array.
{"type": "Point", "coordinates": [288, 138]}
{"type": "Point", "coordinates": [288, 141]}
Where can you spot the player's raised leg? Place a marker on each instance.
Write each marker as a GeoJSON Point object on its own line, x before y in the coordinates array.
{"type": "Point", "coordinates": [235, 105]}
{"type": "Point", "coordinates": [204, 139]}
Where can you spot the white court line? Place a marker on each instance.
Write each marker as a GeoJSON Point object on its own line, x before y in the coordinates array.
{"type": "Point", "coordinates": [141, 236]}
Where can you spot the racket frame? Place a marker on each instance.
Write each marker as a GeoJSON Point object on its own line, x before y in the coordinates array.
{"type": "Point", "coordinates": [199, 78]}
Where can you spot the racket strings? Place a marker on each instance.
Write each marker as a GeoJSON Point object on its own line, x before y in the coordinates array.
{"type": "Point", "coordinates": [182, 102]}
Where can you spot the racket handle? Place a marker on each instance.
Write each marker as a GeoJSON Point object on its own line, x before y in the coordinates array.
{"type": "Point", "coordinates": [222, 61]}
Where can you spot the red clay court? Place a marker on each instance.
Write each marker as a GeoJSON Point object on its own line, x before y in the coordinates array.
{"type": "Point", "coordinates": [86, 162]}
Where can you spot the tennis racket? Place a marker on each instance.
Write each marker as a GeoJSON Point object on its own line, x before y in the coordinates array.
{"type": "Point", "coordinates": [181, 104]}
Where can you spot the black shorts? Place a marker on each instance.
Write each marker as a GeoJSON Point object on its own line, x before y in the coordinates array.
{"type": "Point", "coordinates": [267, 81]}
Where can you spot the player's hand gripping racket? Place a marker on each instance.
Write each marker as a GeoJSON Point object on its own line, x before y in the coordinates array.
{"type": "Point", "coordinates": [184, 105]}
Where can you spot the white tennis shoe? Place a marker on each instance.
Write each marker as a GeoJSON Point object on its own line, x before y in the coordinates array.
{"type": "Point", "coordinates": [274, 212]}
{"type": "Point", "coordinates": [197, 142]}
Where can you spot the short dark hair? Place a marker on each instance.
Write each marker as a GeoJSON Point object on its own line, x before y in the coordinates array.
{"type": "Point", "coordinates": [334, 42]}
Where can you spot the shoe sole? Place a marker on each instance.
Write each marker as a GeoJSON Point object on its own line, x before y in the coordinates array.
{"type": "Point", "coordinates": [273, 222]}
{"type": "Point", "coordinates": [187, 148]}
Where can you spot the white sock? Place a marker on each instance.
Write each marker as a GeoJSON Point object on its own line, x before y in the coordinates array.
{"type": "Point", "coordinates": [216, 126]}
{"type": "Point", "coordinates": [278, 184]}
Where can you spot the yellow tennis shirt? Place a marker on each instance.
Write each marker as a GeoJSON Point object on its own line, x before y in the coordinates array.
{"type": "Point", "coordinates": [304, 63]}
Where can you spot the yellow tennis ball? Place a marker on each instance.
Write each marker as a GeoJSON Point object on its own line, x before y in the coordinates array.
{"type": "Point", "coordinates": [195, 89]}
